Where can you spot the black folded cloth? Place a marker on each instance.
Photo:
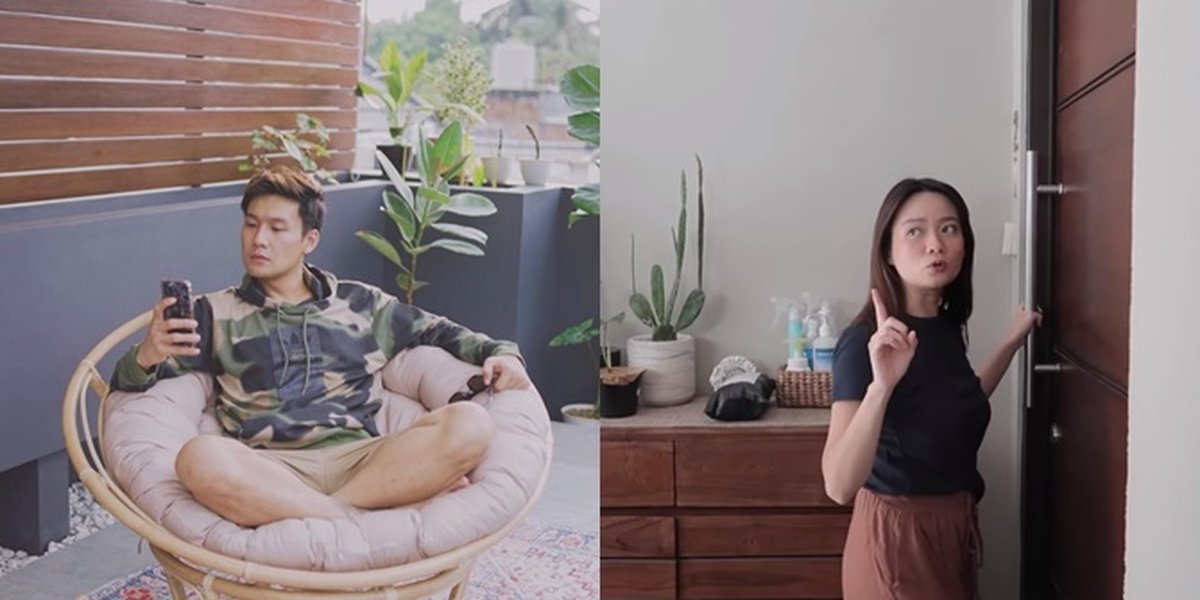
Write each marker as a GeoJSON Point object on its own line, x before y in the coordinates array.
{"type": "Point", "coordinates": [741, 400]}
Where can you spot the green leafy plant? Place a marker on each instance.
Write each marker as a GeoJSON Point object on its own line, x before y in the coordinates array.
{"type": "Point", "coordinates": [416, 214]}
{"type": "Point", "coordinates": [305, 144]}
{"type": "Point", "coordinates": [537, 146]}
{"type": "Point", "coordinates": [401, 76]}
{"type": "Point", "coordinates": [461, 83]}
{"type": "Point", "coordinates": [658, 311]}
{"type": "Point", "coordinates": [580, 87]}
{"type": "Point", "coordinates": [584, 332]}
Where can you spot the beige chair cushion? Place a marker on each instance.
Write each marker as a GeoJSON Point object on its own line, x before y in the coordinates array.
{"type": "Point", "coordinates": [144, 431]}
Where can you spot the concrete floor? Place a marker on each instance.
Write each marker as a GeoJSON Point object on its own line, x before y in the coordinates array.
{"type": "Point", "coordinates": [571, 498]}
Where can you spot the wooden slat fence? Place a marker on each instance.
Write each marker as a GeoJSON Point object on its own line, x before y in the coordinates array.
{"type": "Point", "coordinates": [105, 96]}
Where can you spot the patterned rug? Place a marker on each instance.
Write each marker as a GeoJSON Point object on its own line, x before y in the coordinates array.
{"type": "Point", "coordinates": [537, 561]}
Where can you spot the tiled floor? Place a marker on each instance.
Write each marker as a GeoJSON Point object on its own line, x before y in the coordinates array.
{"type": "Point", "coordinates": [571, 498]}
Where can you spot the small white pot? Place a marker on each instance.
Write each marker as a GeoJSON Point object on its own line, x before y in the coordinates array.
{"type": "Point", "coordinates": [570, 418]}
{"type": "Point", "coordinates": [536, 172]}
{"type": "Point", "coordinates": [497, 169]}
{"type": "Point", "coordinates": [670, 376]}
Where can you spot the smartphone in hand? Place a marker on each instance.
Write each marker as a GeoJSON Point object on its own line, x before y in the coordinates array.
{"type": "Point", "coordinates": [181, 290]}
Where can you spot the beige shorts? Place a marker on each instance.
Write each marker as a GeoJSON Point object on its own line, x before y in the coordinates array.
{"type": "Point", "coordinates": [326, 469]}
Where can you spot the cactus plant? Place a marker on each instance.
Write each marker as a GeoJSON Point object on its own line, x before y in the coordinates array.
{"type": "Point", "coordinates": [537, 146]}
{"type": "Point", "coordinates": [658, 311]}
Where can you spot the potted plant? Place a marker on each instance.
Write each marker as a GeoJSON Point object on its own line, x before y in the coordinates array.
{"type": "Point", "coordinates": [304, 145]}
{"type": "Point", "coordinates": [668, 356]}
{"type": "Point", "coordinates": [460, 83]}
{"type": "Point", "coordinates": [618, 393]}
{"type": "Point", "coordinates": [416, 214]}
{"type": "Point", "coordinates": [535, 171]}
{"type": "Point", "coordinates": [401, 76]}
{"type": "Point", "coordinates": [497, 168]}
{"type": "Point", "coordinates": [580, 87]}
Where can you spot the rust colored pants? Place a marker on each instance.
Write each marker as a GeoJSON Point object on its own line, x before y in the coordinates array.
{"type": "Point", "coordinates": [912, 548]}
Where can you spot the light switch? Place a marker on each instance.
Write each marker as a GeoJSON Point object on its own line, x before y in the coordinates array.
{"type": "Point", "coordinates": [1008, 247]}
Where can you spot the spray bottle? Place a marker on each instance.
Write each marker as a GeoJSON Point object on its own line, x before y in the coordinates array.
{"type": "Point", "coordinates": [796, 360]}
{"type": "Point", "coordinates": [825, 342]}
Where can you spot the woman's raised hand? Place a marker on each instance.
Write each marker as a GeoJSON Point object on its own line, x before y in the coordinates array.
{"type": "Point", "coordinates": [892, 346]}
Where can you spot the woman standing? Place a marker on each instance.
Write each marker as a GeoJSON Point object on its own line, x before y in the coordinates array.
{"type": "Point", "coordinates": [909, 411]}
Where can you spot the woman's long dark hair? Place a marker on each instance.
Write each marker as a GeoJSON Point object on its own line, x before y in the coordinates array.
{"type": "Point", "coordinates": [957, 296]}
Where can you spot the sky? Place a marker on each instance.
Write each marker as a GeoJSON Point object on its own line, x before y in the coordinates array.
{"type": "Point", "coordinates": [398, 10]}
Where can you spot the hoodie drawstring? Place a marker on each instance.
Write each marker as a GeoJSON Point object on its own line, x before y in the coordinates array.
{"type": "Point", "coordinates": [307, 352]}
{"type": "Point", "coordinates": [282, 346]}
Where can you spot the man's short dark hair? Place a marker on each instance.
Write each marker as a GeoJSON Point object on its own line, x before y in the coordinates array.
{"type": "Point", "coordinates": [293, 184]}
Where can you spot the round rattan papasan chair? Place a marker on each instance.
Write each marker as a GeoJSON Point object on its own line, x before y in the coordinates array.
{"type": "Point", "coordinates": [406, 552]}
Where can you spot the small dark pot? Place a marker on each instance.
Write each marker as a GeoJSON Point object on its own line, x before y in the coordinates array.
{"type": "Point", "coordinates": [619, 400]}
{"type": "Point", "coordinates": [616, 358]}
{"type": "Point", "coordinates": [399, 155]}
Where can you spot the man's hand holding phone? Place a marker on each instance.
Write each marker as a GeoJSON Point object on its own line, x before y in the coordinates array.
{"type": "Point", "coordinates": [173, 336]}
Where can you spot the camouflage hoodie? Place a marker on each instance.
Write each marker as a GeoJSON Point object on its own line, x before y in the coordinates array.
{"type": "Point", "coordinates": [305, 375]}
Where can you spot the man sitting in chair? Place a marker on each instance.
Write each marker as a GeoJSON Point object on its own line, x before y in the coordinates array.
{"type": "Point", "coordinates": [296, 355]}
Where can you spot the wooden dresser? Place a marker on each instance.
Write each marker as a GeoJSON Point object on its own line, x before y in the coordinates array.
{"type": "Point", "coordinates": [696, 508]}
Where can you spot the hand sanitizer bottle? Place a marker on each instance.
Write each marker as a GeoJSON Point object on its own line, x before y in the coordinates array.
{"type": "Point", "coordinates": [825, 343]}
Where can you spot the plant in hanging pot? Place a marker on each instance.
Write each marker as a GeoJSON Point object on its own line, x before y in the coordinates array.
{"type": "Point", "coordinates": [306, 145]}
{"type": "Point", "coordinates": [535, 171]}
{"type": "Point", "coordinates": [618, 393]}
{"type": "Point", "coordinates": [668, 356]}
{"type": "Point", "coordinates": [497, 168]}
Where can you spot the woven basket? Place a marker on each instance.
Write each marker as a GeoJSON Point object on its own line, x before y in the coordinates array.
{"type": "Point", "coordinates": [803, 389]}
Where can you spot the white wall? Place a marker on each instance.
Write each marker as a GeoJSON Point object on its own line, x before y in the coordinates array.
{"type": "Point", "coordinates": [806, 113]}
{"type": "Point", "coordinates": [1163, 512]}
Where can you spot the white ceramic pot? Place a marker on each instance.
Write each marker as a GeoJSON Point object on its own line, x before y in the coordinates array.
{"type": "Point", "coordinates": [497, 170]}
{"type": "Point", "coordinates": [535, 172]}
{"type": "Point", "coordinates": [570, 418]}
{"type": "Point", "coordinates": [670, 376]}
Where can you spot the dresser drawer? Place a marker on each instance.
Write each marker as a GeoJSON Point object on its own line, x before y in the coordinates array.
{"type": "Point", "coordinates": [637, 537]}
{"type": "Point", "coordinates": [637, 474]}
{"type": "Point", "coordinates": [747, 471]}
{"type": "Point", "coordinates": [637, 579]}
{"type": "Point", "coordinates": [762, 535]}
{"type": "Point", "coordinates": [760, 578]}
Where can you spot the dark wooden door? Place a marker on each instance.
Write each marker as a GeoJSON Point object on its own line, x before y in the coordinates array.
{"type": "Point", "coordinates": [1085, 290]}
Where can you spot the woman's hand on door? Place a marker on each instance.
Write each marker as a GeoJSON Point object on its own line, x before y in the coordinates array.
{"type": "Point", "coordinates": [1023, 322]}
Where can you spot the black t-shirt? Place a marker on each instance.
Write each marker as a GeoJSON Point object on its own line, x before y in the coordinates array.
{"type": "Point", "coordinates": [935, 419]}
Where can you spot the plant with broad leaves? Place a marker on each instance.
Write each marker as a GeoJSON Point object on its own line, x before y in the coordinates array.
{"type": "Point", "coordinates": [415, 214]}
{"type": "Point", "coordinates": [584, 332]}
{"type": "Point", "coordinates": [400, 76]}
{"type": "Point", "coordinates": [659, 314]}
{"type": "Point", "coordinates": [304, 145]}
{"type": "Point", "coordinates": [580, 87]}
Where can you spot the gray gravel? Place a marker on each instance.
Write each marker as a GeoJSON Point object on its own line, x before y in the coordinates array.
{"type": "Point", "coordinates": [87, 517]}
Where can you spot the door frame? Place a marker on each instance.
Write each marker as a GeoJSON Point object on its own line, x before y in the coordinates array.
{"type": "Point", "coordinates": [1040, 86]}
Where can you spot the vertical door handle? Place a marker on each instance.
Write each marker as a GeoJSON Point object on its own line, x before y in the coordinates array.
{"type": "Point", "coordinates": [1032, 190]}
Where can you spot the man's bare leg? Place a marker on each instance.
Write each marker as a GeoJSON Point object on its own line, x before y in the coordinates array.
{"type": "Point", "coordinates": [423, 460]}
{"type": "Point", "coordinates": [244, 487]}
